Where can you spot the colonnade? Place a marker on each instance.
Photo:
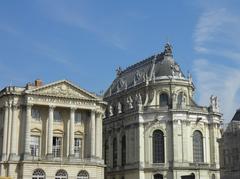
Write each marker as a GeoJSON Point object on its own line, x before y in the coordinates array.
{"type": "Point", "coordinates": [11, 148]}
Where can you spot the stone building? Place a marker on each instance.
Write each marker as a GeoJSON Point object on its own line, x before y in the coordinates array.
{"type": "Point", "coordinates": [230, 149]}
{"type": "Point", "coordinates": [153, 129]}
{"type": "Point", "coordinates": [51, 131]}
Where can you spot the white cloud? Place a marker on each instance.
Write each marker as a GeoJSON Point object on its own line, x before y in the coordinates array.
{"type": "Point", "coordinates": [216, 41]}
{"type": "Point", "coordinates": [218, 80]}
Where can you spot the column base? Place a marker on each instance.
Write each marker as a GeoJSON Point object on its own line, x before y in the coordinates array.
{"type": "Point", "coordinates": [3, 157]}
{"type": "Point", "coordinates": [14, 157]}
{"type": "Point", "coordinates": [27, 156]}
{"type": "Point", "coordinates": [49, 156]}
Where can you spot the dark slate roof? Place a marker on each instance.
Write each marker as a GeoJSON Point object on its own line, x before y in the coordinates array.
{"type": "Point", "coordinates": [236, 117]}
{"type": "Point", "coordinates": [155, 66]}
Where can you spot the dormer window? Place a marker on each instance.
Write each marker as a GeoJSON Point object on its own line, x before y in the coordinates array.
{"type": "Point", "coordinates": [164, 100]}
{"type": "Point", "coordinates": [57, 116]}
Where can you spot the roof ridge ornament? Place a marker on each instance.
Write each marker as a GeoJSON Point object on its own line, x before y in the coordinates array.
{"type": "Point", "coordinates": [168, 49]}
{"type": "Point", "coordinates": [119, 71]}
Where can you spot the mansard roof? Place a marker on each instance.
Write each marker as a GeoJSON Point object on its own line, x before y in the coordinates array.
{"type": "Point", "coordinates": [236, 117]}
{"type": "Point", "coordinates": [157, 66]}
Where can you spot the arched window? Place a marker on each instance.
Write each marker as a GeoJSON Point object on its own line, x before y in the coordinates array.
{"type": "Point", "coordinates": [158, 176]}
{"type": "Point", "coordinates": [38, 174]}
{"type": "Point", "coordinates": [115, 151]}
{"type": "Point", "coordinates": [213, 176]}
{"type": "Point", "coordinates": [123, 150]}
{"type": "Point", "coordinates": [164, 99]}
{"type": "Point", "coordinates": [61, 174]}
{"type": "Point", "coordinates": [83, 175]}
{"type": "Point", "coordinates": [158, 146]}
{"type": "Point", "coordinates": [197, 147]}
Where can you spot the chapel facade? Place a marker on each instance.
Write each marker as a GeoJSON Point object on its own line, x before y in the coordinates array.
{"type": "Point", "coordinates": [51, 131]}
{"type": "Point", "coordinates": [153, 128]}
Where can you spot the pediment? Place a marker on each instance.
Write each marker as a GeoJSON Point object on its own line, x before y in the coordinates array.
{"type": "Point", "coordinates": [62, 89]}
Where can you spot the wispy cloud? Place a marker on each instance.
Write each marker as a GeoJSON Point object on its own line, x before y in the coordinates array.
{"type": "Point", "coordinates": [219, 80]}
{"type": "Point", "coordinates": [216, 38]}
{"type": "Point", "coordinates": [80, 19]}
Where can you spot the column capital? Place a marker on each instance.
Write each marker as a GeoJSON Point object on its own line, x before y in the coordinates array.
{"type": "Point", "coordinates": [52, 107]}
{"type": "Point", "coordinates": [73, 109]}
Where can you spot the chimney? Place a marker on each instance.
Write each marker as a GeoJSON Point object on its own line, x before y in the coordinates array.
{"type": "Point", "coordinates": [38, 83]}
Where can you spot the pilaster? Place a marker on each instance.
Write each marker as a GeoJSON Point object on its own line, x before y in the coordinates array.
{"type": "Point", "coordinates": [5, 132]}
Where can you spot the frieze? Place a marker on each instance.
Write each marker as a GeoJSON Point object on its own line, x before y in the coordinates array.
{"type": "Point", "coordinates": [47, 100]}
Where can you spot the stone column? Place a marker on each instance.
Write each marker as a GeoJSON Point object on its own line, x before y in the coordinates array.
{"type": "Point", "coordinates": [71, 137]}
{"type": "Point", "coordinates": [98, 135]}
{"type": "Point", "coordinates": [50, 131]}
{"type": "Point", "coordinates": [93, 133]}
{"type": "Point", "coordinates": [14, 134]}
{"type": "Point", "coordinates": [27, 132]}
{"type": "Point", "coordinates": [5, 132]}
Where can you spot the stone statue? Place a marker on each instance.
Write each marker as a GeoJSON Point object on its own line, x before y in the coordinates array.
{"type": "Point", "coordinates": [168, 50]}
{"type": "Point", "coordinates": [119, 107]}
{"type": "Point", "coordinates": [214, 103]}
{"type": "Point", "coordinates": [110, 109]}
{"type": "Point", "coordinates": [130, 102]}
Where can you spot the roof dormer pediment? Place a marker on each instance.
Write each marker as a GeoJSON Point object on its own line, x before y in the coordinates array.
{"type": "Point", "coordinates": [62, 88]}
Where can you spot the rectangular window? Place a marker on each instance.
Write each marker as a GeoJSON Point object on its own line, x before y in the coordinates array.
{"type": "Point", "coordinates": [78, 147]}
{"type": "Point", "coordinates": [35, 113]}
{"type": "Point", "coordinates": [34, 145]}
{"type": "Point", "coordinates": [57, 146]}
{"type": "Point", "coordinates": [57, 116]}
{"type": "Point", "coordinates": [77, 117]}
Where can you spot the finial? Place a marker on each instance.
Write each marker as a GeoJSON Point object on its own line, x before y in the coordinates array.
{"type": "Point", "coordinates": [168, 49]}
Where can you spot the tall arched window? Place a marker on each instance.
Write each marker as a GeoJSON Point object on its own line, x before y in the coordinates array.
{"type": "Point", "coordinates": [197, 147]}
{"type": "Point", "coordinates": [158, 146]}
{"type": "Point", "coordinates": [123, 150]}
{"type": "Point", "coordinates": [61, 174]}
{"type": "Point", "coordinates": [115, 151]}
{"type": "Point", "coordinates": [158, 176]}
{"type": "Point", "coordinates": [83, 175]}
{"type": "Point", "coordinates": [164, 99]}
{"type": "Point", "coordinates": [38, 174]}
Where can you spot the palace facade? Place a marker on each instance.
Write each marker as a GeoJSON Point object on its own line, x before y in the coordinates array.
{"type": "Point", "coordinates": [154, 129]}
{"type": "Point", "coordinates": [51, 131]}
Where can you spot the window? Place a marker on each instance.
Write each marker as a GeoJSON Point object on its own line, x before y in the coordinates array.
{"type": "Point", "coordinates": [158, 176]}
{"type": "Point", "coordinates": [34, 145]}
{"type": "Point", "coordinates": [78, 147]}
{"type": "Point", "coordinates": [38, 174]}
{"type": "Point", "coordinates": [197, 147]}
{"type": "Point", "coordinates": [35, 113]}
{"type": "Point", "coordinates": [77, 117]}
{"type": "Point", "coordinates": [61, 174]}
{"type": "Point", "coordinates": [106, 152]}
{"type": "Point", "coordinates": [57, 145]}
{"type": "Point", "coordinates": [123, 150]}
{"type": "Point", "coordinates": [158, 146]}
{"type": "Point", "coordinates": [115, 151]}
{"type": "Point", "coordinates": [164, 99]}
{"type": "Point", "coordinates": [83, 175]}
{"type": "Point", "coordinates": [213, 176]}
{"type": "Point", "coordinates": [57, 116]}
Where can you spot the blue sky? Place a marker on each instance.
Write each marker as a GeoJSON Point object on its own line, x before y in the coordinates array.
{"type": "Point", "coordinates": [85, 41]}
